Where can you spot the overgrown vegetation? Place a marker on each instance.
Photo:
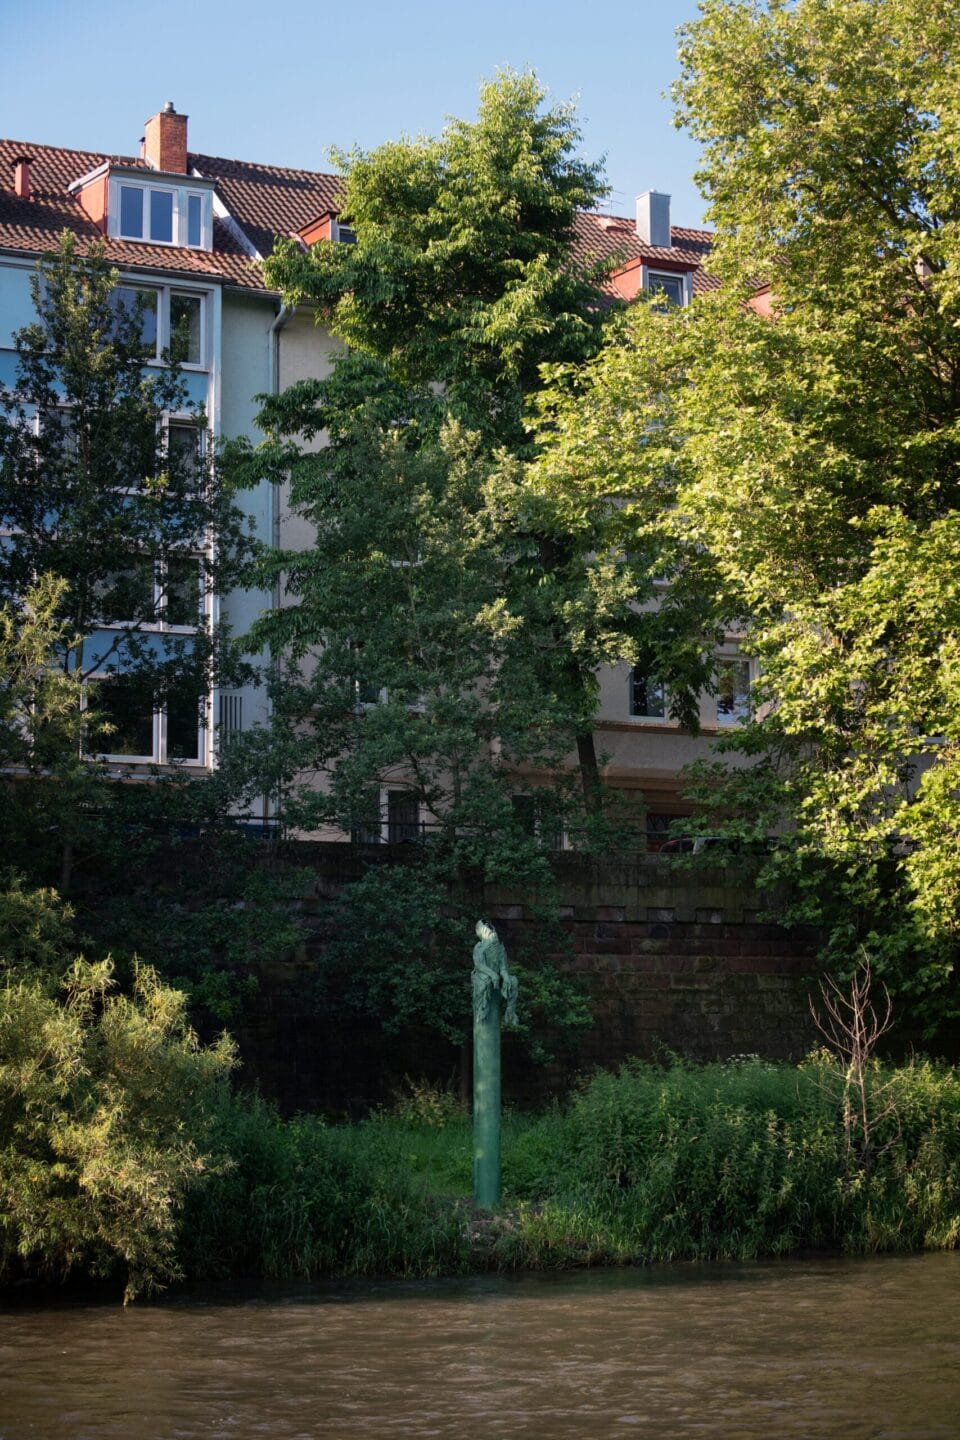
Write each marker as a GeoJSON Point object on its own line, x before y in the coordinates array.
{"type": "Point", "coordinates": [729, 1161]}
{"type": "Point", "coordinates": [125, 1153]}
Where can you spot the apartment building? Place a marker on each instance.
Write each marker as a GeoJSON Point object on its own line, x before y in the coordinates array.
{"type": "Point", "coordinates": [189, 232]}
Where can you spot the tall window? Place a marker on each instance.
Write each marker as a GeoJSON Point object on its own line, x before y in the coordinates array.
{"type": "Point", "coordinates": [733, 690]}
{"type": "Point", "coordinates": [186, 327]}
{"type": "Point", "coordinates": [173, 319]}
{"type": "Point", "coordinates": [147, 613]}
{"type": "Point", "coordinates": [647, 696]}
{"type": "Point", "coordinates": [403, 817]}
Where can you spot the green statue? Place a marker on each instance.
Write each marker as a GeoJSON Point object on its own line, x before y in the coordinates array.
{"type": "Point", "coordinates": [493, 987]}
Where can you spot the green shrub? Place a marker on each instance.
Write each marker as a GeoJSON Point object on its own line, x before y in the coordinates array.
{"type": "Point", "coordinates": [105, 1124]}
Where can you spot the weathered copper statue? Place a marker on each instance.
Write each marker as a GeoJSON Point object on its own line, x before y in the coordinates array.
{"type": "Point", "coordinates": [493, 987]}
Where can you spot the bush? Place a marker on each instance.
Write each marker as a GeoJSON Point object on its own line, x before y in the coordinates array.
{"type": "Point", "coordinates": [106, 1104]}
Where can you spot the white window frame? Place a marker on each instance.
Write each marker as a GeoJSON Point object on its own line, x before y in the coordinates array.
{"type": "Point", "coordinates": [663, 719]}
{"type": "Point", "coordinates": [113, 624]}
{"type": "Point", "coordinates": [161, 627]}
{"type": "Point", "coordinates": [165, 294]}
{"type": "Point", "coordinates": [651, 273]}
{"type": "Point", "coordinates": [159, 728]}
{"type": "Point", "coordinates": [181, 211]}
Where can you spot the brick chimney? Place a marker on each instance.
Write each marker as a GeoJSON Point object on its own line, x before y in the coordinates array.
{"type": "Point", "coordinates": [165, 141]}
{"type": "Point", "coordinates": [21, 176]}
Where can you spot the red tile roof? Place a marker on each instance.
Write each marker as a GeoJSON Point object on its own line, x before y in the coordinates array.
{"type": "Point", "coordinates": [613, 237]}
{"type": "Point", "coordinates": [264, 201]}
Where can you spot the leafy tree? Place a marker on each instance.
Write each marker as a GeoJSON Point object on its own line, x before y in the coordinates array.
{"type": "Point", "coordinates": [464, 273]}
{"type": "Point", "coordinates": [418, 682]}
{"type": "Point", "coordinates": [811, 437]}
{"type": "Point", "coordinates": [465, 277]}
{"type": "Point", "coordinates": [115, 522]}
{"type": "Point", "coordinates": [415, 691]}
{"type": "Point", "coordinates": [100, 489]}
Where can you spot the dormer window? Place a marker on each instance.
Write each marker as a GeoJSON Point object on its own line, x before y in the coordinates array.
{"type": "Point", "coordinates": [669, 289]}
{"type": "Point", "coordinates": [161, 214]}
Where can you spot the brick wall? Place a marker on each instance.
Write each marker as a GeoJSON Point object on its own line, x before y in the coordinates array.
{"type": "Point", "coordinates": [673, 958]}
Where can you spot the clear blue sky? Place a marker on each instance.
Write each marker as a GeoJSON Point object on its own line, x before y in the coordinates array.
{"type": "Point", "coordinates": [282, 82]}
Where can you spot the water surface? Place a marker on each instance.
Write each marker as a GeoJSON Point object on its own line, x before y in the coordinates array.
{"type": "Point", "coordinates": [846, 1350]}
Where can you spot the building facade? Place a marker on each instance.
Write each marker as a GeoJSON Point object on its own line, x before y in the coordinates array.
{"type": "Point", "coordinates": [188, 233]}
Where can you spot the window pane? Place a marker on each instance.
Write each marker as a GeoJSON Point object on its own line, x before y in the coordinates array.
{"type": "Point", "coordinates": [647, 697]}
{"type": "Point", "coordinates": [194, 220]}
{"type": "Point", "coordinates": [733, 691]}
{"type": "Point", "coordinates": [126, 595]}
{"type": "Point", "coordinates": [161, 216]}
{"type": "Point", "coordinates": [365, 826]}
{"type": "Point", "coordinates": [124, 704]}
{"type": "Point", "coordinates": [538, 817]}
{"type": "Point", "coordinates": [127, 301]}
{"type": "Point", "coordinates": [185, 321]}
{"type": "Point", "coordinates": [668, 287]}
{"type": "Point", "coordinates": [403, 817]}
{"type": "Point", "coordinates": [131, 211]}
{"type": "Point", "coordinates": [57, 425]}
{"type": "Point", "coordinates": [184, 450]}
{"type": "Point", "coordinates": [183, 723]}
{"type": "Point", "coordinates": [183, 590]}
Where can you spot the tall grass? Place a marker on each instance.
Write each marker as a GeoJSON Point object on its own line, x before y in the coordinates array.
{"type": "Point", "coordinates": [303, 1199]}
{"type": "Point", "coordinates": [645, 1164]}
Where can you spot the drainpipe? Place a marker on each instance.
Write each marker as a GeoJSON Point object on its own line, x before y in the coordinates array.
{"type": "Point", "coordinates": [273, 388]}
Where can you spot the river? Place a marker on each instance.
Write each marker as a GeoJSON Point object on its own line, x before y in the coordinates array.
{"type": "Point", "coordinates": [841, 1349]}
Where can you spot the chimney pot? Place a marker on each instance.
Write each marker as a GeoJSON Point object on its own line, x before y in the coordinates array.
{"type": "Point", "coordinates": [653, 219]}
{"type": "Point", "coordinates": [21, 176]}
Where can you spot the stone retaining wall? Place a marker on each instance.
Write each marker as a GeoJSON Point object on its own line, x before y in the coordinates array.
{"type": "Point", "coordinates": [675, 958]}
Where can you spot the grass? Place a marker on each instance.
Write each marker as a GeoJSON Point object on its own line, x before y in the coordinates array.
{"type": "Point", "coordinates": [648, 1164]}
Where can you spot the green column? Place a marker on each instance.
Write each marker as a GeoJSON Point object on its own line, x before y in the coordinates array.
{"type": "Point", "coordinates": [486, 1103]}
{"type": "Point", "coordinates": [494, 993]}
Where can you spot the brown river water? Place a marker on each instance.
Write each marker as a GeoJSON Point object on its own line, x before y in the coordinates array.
{"type": "Point", "coordinates": [849, 1350]}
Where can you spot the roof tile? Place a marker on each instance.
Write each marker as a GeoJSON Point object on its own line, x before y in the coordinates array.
{"type": "Point", "coordinates": [265, 201]}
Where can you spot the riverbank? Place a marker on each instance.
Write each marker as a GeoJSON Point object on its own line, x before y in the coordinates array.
{"type": "Point", "coordinates": [649, 1164]}
{"type": "Point", "coordinates": [729, 1162]}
